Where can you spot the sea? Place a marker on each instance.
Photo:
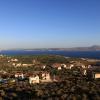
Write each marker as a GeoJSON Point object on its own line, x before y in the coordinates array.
{"type": "Point", "coordinates": [76, 54]}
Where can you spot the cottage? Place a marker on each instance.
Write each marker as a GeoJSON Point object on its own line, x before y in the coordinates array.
{"type": "Point", "coordinates": [19, 75]}
{"type": "Point", "coordinates": [13, 64]}
{"type": "Point", "coordinates": [26, 65]}
{"type": "Point", "coordinates": [97, 75]}
{"type": "Point", "coordinates": [85, 72]}
{"type": "Point", "coordinates": [57, 65]}
{"type": "Point", "coordinates": [43, 66]}
{"type": "Point", "coordinates": [14, 60]}
{"type": "Point", "coordinates": [18, 65]}
{"type": "Point", "coordinates": [46, 77]}
{"type": "Point", "coordinates": [89, 66]}
{"type": "Point", "coordinates": [64, 65]}
{"type": "Point", "coordinates": [83, 66]}
{"type": "Point", "coordinates": [71, 66]}
{"type": "Point", "coordinates": [34, 79]}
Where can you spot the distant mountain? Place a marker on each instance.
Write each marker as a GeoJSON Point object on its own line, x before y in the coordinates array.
{"type": "Point", "coordinates": [91, 48]}
{"type": "Point", "coordinates": [95, 47]}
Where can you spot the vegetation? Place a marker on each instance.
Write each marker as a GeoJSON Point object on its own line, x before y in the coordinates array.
{"type": "Point", "coordinates": [72, 85]}
{"type": "Point", "coordinates": [46, 59]}
{"type": "Point", "coordinates": [69, 89]}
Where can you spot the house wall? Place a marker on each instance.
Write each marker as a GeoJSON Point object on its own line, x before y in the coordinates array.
{"type": "Point", "coordinates": [33, 80]}
{"type": "Point", "coordinates": [97, 75]}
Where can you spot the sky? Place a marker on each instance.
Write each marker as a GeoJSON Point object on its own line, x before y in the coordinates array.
{"type": "Point", "coordinates": [49, 23]}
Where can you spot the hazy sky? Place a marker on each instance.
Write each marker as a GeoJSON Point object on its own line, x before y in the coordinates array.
{"type": "Point", "coordinates": [49, 23]}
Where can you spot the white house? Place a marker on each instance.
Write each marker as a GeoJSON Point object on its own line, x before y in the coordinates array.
{"type": "Point", "coordinates": [71, 66]}
{"type": "Point", "coordinates": [18, 65]}
{"type": "Point", "coordinates": [64, 65]}
{"type": "Point", "coordinates": [13, 64]}
{"type": "Point", "coordinates": [43, 66]}
{"type": "Point", "coordinates": [19, 75]}
{"type": "Point", "coordinates": [57, 65]}
{"type": "Point", "coordinates": [85, 72]}
{"type": "Point", "coordinates": [34, 79]}
{"type": "Point", "coordinates": [46, 76]}
{"type": "Point", "coordinates": [59, 68]}
{"type": "Point", "coordinates": [14, 60]}
{"type": "Point", "coordinates": [83, 66]}
{"type": "Point", "coordinates": [97, 75]}
{"type": "Point", "coordinates": [26, 65]}
{"type": "Point", "coordinates": [89, 66]}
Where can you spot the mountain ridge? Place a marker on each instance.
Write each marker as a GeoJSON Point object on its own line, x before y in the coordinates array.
{"type": "Point", "coordinates": [90, 48]}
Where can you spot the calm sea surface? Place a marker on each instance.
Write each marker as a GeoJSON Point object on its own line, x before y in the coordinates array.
{"type": "Point", "coordinates": [82, 54]}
